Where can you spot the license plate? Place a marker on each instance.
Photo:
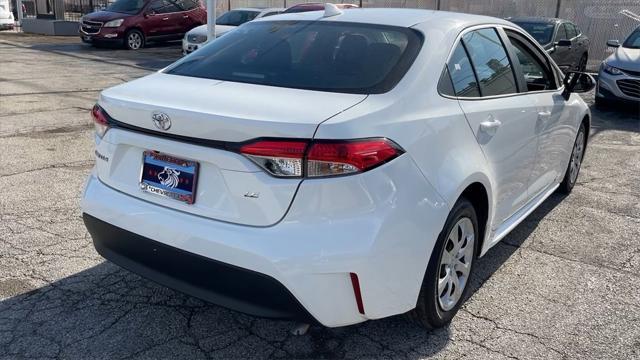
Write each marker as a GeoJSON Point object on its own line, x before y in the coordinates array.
{"type": "Point", "coordinates": [169, 176]}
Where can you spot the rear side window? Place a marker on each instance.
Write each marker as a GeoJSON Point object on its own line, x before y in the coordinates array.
{"type": "Point", "coordinates": [324, 56]}
{"type": "Point", "coordinates": [462, 76]}
{"type": "Point", "coordinates": [490, 62]}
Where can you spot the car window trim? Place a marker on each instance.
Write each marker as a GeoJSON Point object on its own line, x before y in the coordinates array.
{"type": "Point", "coordinates": [559, 82]}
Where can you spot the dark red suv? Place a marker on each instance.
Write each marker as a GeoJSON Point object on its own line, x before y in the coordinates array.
{"type": "Point", "coordinates": [133, 23]}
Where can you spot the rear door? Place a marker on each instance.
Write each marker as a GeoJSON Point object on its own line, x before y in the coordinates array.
{"type": "Point", "coordinates": [504, 126]}
{"type": "Point", "coordinates": [543, 98]}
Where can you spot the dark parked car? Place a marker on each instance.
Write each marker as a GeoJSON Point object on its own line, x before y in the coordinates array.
{"type": "Point", "coordinates": [133, 23]}
{"type": "Point", "coordinates": [562, 39]}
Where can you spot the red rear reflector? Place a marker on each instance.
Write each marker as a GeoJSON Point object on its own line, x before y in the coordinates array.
{"type": "Point", "coordinates": [356, 292]}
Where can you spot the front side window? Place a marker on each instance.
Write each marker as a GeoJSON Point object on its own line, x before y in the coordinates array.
{"type": "Point", "coordinates": [325, 56]}
{"type": "Point", "coordinates": [163, 7]}
{"type": "Point", "coordinates": [536, 72]}
{"type": "Point", "coordinates": [126, 6]}
{"type": "Point", "coordinates": [571, 31]}
{"type": "Point", "coordinates": [561, 34]}
{"type": "Point", "coordinates": [490, 62]}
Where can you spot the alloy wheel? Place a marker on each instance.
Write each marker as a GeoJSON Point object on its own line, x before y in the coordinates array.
{"type": "Point", "coordinates": [576, 158]}
{"type": "Point", "coordinates": [455, 264]}
{"type": "Point", "coordinates": [134, 40]}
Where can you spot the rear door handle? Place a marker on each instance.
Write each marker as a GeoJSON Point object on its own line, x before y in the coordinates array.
{"type": "Point", "coordinates": [490, 126]}
{"type": "Point", "coordinates": [165, 18]}
{"type": "Point", "coordinates": [185, 16]}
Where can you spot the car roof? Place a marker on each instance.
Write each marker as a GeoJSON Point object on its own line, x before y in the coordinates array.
{"type": "Point", "coordinates": [536, 19]}
{"type": "Point", "coordinates": [257, 9]}
{"type": "Point", "coordinates": [394, 17]}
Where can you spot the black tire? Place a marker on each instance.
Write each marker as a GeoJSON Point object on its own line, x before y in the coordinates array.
{"type": "Point", "coordinates": [134, 40]}
{"type": "Point", "coordinates": [428, 312]}
{"type": "Point", "coordinates": [569, 181]}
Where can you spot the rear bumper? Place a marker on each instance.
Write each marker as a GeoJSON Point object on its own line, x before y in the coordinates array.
{"type": "Point", "coordinates": [214, 281]}
{"type": "Point", "coordinates": [381, 225]}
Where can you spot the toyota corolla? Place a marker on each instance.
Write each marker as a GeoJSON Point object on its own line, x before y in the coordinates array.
{"type": "Point", "coordinates": [335, 166]}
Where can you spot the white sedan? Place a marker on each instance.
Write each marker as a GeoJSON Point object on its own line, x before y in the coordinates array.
{"type": "Point", "coordinates": [6, 17]}
{"type": "Point", "coordinates": [228, 21]}
{"type": "Point", "coordinates": [334, 167]}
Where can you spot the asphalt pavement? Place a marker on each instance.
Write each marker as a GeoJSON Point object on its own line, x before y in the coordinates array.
{"type": "Point", "coordinates": [563, 284]}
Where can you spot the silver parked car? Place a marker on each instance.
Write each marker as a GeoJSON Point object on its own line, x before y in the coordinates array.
{"type": "Point", "coordinates": [619, 76]}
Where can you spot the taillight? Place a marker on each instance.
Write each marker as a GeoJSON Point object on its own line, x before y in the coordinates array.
{"type": "Point", "coordinates": [320, 158]}
{"type": "Point", "coordinates": [347, 157]}
{"type": "Point", "coordinates": [100, 120]}
{"type": "Point", "coordinates": [279, 158]}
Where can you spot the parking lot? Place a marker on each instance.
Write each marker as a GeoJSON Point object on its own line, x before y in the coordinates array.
{"type": "Point", "coordinates": [563, 284]}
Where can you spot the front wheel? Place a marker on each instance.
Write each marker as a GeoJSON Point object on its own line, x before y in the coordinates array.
{"type": "Point", "coordinates": [575, 162]}
{"type": "Point", "coordinates": [134, 40]}
{"type": "Point", "coordinates": [446, 280]}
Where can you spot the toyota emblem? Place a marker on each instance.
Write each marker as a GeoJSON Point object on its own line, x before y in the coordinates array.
{"type": "Point", "coordinates": [161, 120]}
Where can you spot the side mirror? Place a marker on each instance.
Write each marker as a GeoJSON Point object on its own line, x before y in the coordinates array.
{"type": "Point", "coordinates": [149, 13]}
{"type": "Point", "coordinates": [564, 43]}
{"type": "Point", "coordinates": [577, 82]}
{"type": "Point", "coordinates": [613, 43]}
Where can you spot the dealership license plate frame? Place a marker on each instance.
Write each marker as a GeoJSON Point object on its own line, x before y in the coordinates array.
{"type": "Point", "coordinates": [184, 191]}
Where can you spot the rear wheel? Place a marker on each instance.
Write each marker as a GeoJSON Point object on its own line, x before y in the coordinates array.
{"type": "Point", "coordinates": [575, 163]}
{"type": "Point", "coordinates": [445, 283]}
{"type": "Point", "coordinates": [134, 40]}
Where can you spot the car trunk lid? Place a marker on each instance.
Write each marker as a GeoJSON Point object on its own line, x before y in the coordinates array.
{"type": "Point", "coordinates": [230, 187]}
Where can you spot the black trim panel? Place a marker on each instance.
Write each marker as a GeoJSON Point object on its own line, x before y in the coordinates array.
{"type": "Point", "coordinates": [210, 280]}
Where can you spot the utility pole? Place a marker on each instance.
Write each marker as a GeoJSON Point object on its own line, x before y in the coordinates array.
{"type": "Point", "coordinates": [19, 11]}
{"type": "Point", "coordinates": [211, 19]}
{"type": "Point", "coordinates": [558, 7]}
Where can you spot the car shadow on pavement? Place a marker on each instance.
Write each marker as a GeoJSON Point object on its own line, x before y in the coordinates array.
{"type": "Point", "coordinates": [105, 311]}
{"type": "Point", "coordinates": [619, 117]}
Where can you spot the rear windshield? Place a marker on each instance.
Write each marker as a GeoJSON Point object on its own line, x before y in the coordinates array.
{"type": "Point", "coordinates": [542, 32]}
{"type": "Point", "coordinates": [313, 55]}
